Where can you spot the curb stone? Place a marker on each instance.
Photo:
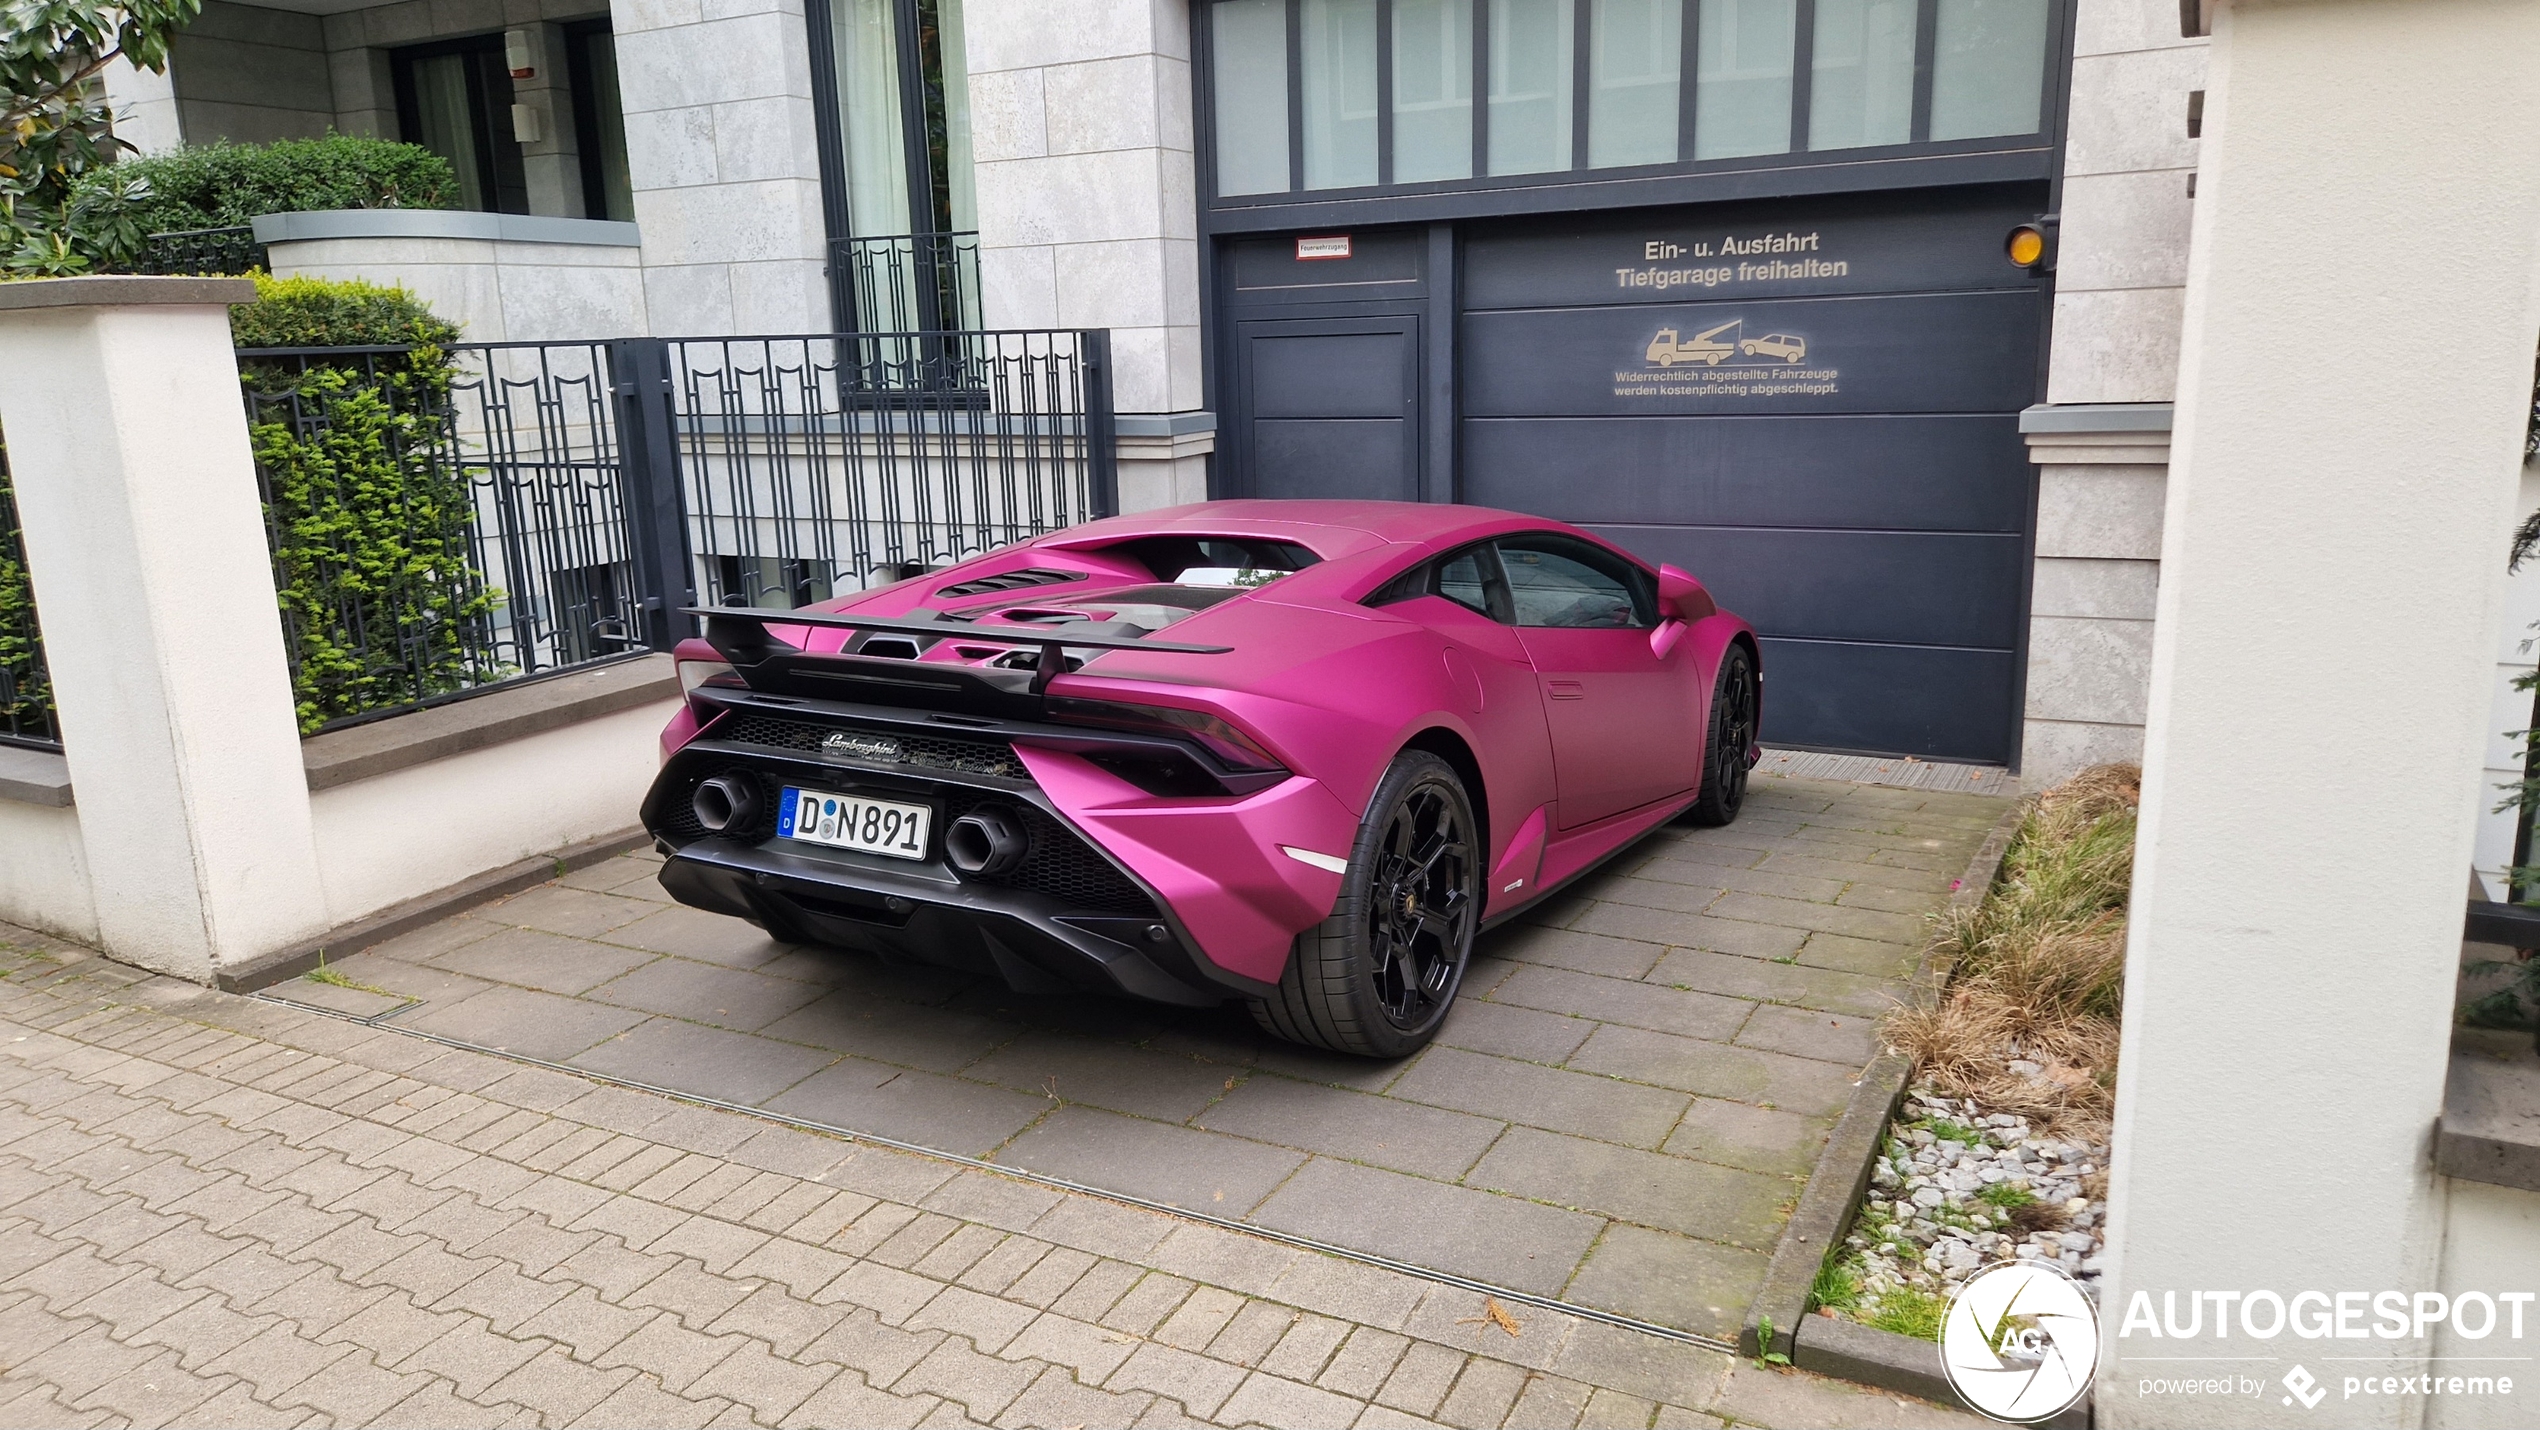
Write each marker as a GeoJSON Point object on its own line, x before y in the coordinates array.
{"type": "Point", "coordinates": [1834, 1190]}
{"type": "Point", "coordinates": [431, 908]}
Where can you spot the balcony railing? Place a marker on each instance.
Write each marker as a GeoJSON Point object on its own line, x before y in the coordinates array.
{"type": "Point", "coordinates": [193, 251]}
{"type": "Point", "coordinates": [908, 282]}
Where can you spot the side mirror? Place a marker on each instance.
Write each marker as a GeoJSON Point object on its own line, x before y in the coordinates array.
{"type": "Point", "coordinates": [1682, 596]}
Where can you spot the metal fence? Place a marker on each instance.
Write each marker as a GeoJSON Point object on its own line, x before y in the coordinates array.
{"type": "Point", "coordinates": [26, 691]}
{"type": "Point", "coordinates": [444, 524]}
{"type": "Point", "coordinates": [201, 251]}
{"type": "Point", "coordinates": [909, 282]}
{"type": "Point", "coordinates": [816, 464]}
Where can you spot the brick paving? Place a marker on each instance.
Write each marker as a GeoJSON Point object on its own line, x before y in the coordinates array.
{"type": "Point", "coordinates": [217, 1210]}
{"type": "Point", "coordinates": [1619, 1113]}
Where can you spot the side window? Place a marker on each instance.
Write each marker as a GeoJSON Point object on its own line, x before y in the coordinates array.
{"type": "Point", "coordinates": [1470, 578]}
{"type": "Point", "coordinates": [1465, 579]}
{"type": "Point", "coordinates": [1553, 581]}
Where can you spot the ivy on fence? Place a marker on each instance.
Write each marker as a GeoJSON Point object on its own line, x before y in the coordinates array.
{"type": "Point", "coordinates": [371, 526]}
{"type": "Point", "coordinates": [26, 695]}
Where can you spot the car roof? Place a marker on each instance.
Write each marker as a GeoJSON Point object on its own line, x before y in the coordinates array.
{"type": "Point", "coordinates": [1328, 528]}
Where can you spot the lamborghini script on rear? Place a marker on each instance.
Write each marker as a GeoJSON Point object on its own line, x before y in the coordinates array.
{"type": "Point", "coordinates": [1291, 752]}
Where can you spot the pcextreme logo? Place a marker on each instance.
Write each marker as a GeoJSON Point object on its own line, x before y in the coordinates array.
{"type": "Point", "coordinates": [2020, 1342]}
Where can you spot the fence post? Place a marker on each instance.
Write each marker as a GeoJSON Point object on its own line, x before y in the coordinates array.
{"type": "Point", "coordinates": [1102, 440]}
{"type": "Point", "coordinates": [143, 532]}
{"type": "Point", "coordinates": [656, 500]}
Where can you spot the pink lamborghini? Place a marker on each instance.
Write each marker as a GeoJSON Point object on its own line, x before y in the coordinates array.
{"type": "Point", "coordinates": [1296, 753]}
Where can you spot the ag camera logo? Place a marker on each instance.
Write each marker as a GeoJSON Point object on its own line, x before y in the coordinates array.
{"type": "Point", "coordinates": [2020, 1342]}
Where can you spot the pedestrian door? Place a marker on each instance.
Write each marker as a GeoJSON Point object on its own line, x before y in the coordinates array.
{"type": "Point", "coordinates": [1331, 406]}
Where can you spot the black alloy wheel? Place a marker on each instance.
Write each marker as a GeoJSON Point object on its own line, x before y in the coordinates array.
{"type": "Point", "coordinates": [1377, 977]}
{"type": "Point", "coordinates": [1732, 734]}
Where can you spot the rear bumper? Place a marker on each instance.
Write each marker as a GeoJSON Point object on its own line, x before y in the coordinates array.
{"type": "Point", "coordinates": [1014, 936]}
{"type": "Point", "coordinates": [1116, 935]}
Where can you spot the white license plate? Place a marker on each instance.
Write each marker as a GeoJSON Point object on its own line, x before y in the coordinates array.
{"type": "Point", "coordinates": [846, 821]}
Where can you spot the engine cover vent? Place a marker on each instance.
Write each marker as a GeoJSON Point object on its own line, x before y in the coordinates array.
{"type": "Point", "coordinates": [1010, 581]}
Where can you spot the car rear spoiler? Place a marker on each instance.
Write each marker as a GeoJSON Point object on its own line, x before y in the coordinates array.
{"type": "Point", "coordinates": [740, 634]}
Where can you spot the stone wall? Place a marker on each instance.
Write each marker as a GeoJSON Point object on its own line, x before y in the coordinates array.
{"type": "Point", "coordinates": [500, 277]}
{"type": "Point", "coordinates": [2101, 441]}
{"type": "Point", "coordinates": [1088, 212]}
{"type": "Point", "coordinates": [253, 75]}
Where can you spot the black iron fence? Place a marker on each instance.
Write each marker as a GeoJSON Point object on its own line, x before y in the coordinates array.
{"type": "Point", "coordinates": [26, 692]}
{"type": "Point", "coordinates": [909, 282]}
{"type": "Point", "coordinates": [192, 251]}
{"type": "Point", "coordinates": [816, 464]}
{"type": "Point", "coordinates": [444, 523]}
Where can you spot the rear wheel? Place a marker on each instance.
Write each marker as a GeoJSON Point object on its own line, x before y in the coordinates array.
{"type": "Point", "coordinates": [1377, 977]}
{"type": "Point", "coordinates": [1732, 734]}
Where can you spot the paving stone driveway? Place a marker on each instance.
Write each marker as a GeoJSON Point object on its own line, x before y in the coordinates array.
{"type": "Point", "coordinates": [1620, 1111]}
{"type": "Point", "coordinates": [218, 1210]}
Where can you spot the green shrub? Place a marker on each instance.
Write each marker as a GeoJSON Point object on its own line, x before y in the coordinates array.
{"type": "Point", "coordinates": [28, 702]}
{"type": "Point", "coordinates": [369, 512]}
{"type": "Point", "coordinates": [220, 185]}
{"type": "Point", "coordinates": [60, 211]}
{"type": "Point", "coordinates": [335, 313]}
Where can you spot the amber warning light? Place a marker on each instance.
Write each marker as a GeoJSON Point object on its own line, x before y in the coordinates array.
{"type": "Point", "coordinates": [2026, 246]}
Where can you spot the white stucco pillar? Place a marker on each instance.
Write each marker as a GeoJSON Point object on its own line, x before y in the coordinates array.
{"type": "Point", "coordinates": [2331, 567]}
{"type": "Point", "coordinates": [145, 538]}
{"type": "Point", "coordinates": [1088, 216]}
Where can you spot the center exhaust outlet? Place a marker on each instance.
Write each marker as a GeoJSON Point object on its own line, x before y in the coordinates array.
{"type": "Point", "coordinates": [988, 840]}
{"type": "Point", "coordinates": [726, 803]}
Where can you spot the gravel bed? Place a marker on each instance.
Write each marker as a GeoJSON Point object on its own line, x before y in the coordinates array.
{"type": "Point", "coordinates": [1957, 1189]}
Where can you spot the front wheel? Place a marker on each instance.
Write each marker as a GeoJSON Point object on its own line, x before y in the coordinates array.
{"type": "Point", "coordinates": [1377, 977]}
{"type": "Point", "coordinates": [1732, 734]}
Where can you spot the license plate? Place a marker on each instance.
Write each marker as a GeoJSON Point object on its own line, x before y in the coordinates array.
{"type": "Point", "coordinates": [846, 821]}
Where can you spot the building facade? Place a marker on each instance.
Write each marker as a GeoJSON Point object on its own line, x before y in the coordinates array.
{"type": "Point", "coordinates": [1724, 280]}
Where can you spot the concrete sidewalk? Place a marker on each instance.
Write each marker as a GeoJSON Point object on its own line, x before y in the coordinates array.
{"type": "Point", "coordinates": [216, 1210]}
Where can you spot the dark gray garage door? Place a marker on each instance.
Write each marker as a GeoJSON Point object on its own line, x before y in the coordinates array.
{"type": "Point", "coordinates": [1813, 407]}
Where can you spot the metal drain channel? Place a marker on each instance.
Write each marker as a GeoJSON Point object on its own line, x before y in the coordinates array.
{"type": "Point", "coordinates": [1062, 1184]}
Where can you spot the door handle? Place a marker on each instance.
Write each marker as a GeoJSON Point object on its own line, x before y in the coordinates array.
{"type": "Point", "coordinates": [1566, 689]}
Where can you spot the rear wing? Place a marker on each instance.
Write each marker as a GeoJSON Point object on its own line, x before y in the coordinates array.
{"type": "Point", "coordinates": [740, 634]}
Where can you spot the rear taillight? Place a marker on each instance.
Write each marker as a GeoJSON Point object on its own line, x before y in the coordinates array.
{"type": "Point", "coordinates": [1233, 748]}
{"type": "Point", "coordinates": [693, 673]}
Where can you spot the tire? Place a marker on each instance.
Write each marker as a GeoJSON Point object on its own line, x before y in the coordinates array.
{"type": "Point", "coordinates": [1376, 978]}
{"type": "Point", "coordinates": [1724, 760]}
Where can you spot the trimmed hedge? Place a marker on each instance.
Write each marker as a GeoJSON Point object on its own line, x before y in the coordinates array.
{"type": "Point", "coordinates": [310, 312]}
{"type": "Point", "coordinates": [220, 185]}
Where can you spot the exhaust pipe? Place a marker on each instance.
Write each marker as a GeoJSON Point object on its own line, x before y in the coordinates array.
{"type": "Point", "coordinates": [988, 840]}
{"type": "Point", "coordinates": [726, 803]}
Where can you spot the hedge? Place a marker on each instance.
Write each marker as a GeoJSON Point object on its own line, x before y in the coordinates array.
{"type": "Point", "coordinates": [222, 185]}
{"type": "Point", "coordinates": [371, 518]}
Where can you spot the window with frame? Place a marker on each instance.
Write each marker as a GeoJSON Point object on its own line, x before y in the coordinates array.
{"type": "Point", "coordinates": [1309, 96]}
{"type": "Point", "coordinates": [454, 97]}
{"type": "Point", "coordinates": [1557, 582]}
{"type": "Point", "coordinates": [598, 120]}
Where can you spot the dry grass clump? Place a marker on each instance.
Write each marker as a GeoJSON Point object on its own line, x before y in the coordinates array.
{"type": "Point", "coordinates": [2040, 965]}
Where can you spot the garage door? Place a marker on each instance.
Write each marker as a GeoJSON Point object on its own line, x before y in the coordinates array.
{"type": "Point", "coordinates": [1811, 405]}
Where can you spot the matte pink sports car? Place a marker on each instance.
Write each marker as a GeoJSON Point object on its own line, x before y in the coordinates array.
{"type": "Point", "coordinates": [1297, 753]}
